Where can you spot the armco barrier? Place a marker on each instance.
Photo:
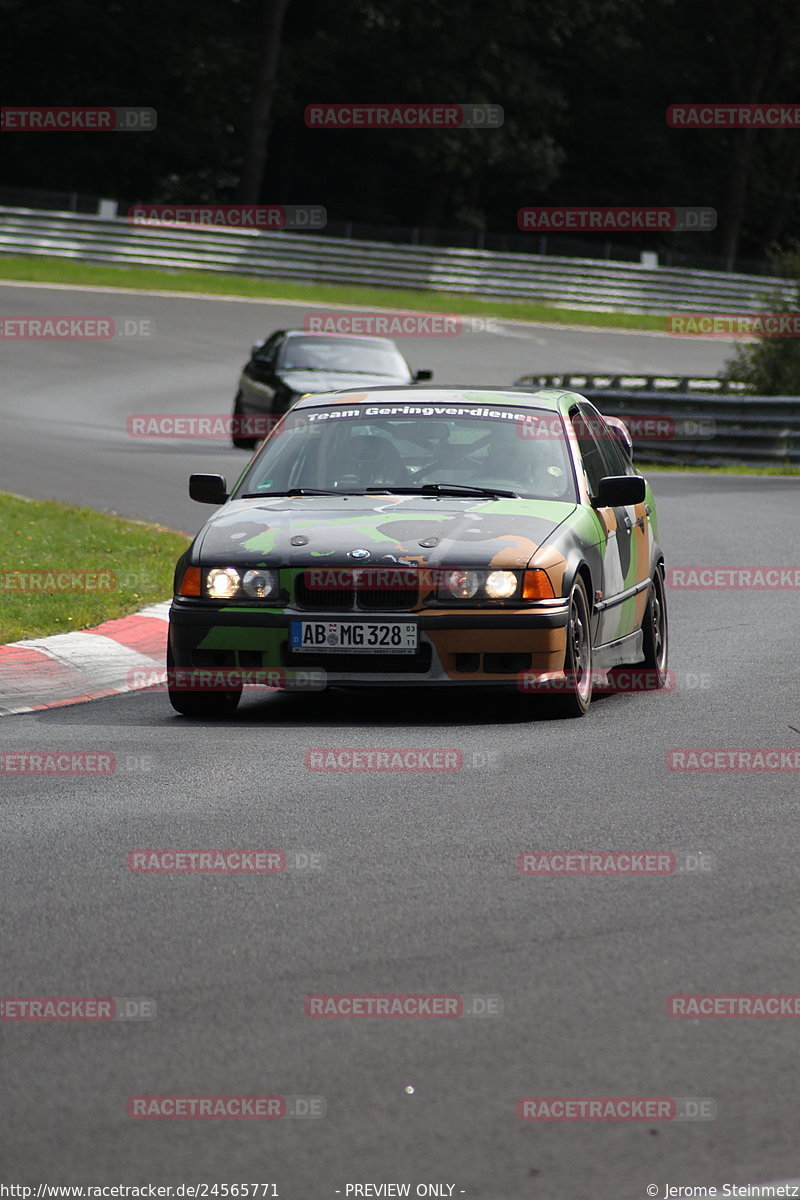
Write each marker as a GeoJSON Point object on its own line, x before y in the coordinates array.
{"type": "Point", "coordinates": [304, 257]}
{"type": "Point", "coordinates": [713, 423]}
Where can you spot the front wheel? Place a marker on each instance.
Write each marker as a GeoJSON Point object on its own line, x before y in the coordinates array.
{"type": "Point", "coordinates": [574, 701]}
{"type": "Point", "coordinates": [209, 705]}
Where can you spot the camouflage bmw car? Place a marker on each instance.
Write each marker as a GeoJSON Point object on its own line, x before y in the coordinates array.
{"type": "Point", "coordinates": [431, 537]}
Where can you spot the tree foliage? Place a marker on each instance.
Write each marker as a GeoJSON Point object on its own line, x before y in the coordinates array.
{"type": "Point", "coordinates": [584, 85]}
{"type": "Point", "coordinates": [771, 365]}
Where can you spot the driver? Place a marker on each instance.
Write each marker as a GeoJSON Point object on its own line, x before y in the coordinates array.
{"type": "Point", "coordinates": [529, 466]}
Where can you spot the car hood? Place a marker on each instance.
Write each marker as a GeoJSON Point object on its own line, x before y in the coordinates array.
{"type": "Point", "coordinates": [330, 381]}
{"type": "Point", "coordinates": [425, 531]}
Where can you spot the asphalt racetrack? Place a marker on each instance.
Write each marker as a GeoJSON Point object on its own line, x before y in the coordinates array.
{"type": "Point", "coordinates": [418, 889]}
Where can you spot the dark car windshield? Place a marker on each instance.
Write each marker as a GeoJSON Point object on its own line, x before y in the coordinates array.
{"type": "Point", "coordinates": [393, 445]}
{"type": "Point", "coordinates": [358, 355]}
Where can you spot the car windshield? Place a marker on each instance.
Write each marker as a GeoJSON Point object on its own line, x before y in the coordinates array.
{"type": "Point", "coordinates": [357, 355]}
{"type": "Point", "coordinates": [404, 446]}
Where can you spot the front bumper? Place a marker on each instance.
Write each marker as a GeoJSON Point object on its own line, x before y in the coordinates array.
{"type": "Point", "coordinates": [455, 647]}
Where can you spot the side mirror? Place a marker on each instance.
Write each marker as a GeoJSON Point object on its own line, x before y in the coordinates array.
{"type": "Point", "coordinates": [422, 376]}
{"type": "Point", "coordinates": [259, 369]}
{"type": "Point", "coordinates": [208, 489]}
{"type": "Point", "coordinates": [616, 490]}
{"type": "Point", "coordinates": [620, 431]}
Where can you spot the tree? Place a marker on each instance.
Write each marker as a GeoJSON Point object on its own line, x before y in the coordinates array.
{"type": "Point", "coordinates": [760, 58]}
{"type": "Point", "coordinates": [255, 158]}
{"type": "Point", "coordinates": [771, 367]}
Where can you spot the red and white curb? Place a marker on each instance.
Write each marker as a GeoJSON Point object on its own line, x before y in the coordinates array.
{"type": "Point", "coordinates": [69, 668]}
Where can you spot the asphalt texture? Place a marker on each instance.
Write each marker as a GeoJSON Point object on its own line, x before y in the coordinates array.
{"type": "Point", "coordinates": [418, 889]}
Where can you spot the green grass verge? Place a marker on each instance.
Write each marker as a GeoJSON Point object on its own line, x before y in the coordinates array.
{"type": "Point", "coordinates": [129, 563]}
{"type": "Point", "coordinates": [68, 271]}
{"type": "Point", "coordinates": [727, 469]}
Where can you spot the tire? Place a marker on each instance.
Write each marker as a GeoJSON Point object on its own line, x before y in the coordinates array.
{"type": "Point", "coordinates": [574, 701]}
{"type": "Point", "coordinates": [209, 706]}
{"type": "Point", "coordinates": [241, 443]}
{"type": "Point", "coordinates": [655, 628]}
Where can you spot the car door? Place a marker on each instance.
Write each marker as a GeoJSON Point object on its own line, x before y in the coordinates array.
{"type": "Point", "coordinates": [602, 456]}
{"type": "Point", "coordinates": [620, 462]}
{"type": "Point", "coordinates": [257, 384]}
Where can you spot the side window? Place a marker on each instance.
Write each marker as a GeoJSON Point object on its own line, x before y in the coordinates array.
{"type": "Point", "coordinates": [617, 463]}
{"type": "Point", "coordinates": [594, 463]}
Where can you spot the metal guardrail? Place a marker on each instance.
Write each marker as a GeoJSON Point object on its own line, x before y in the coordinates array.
{"type": "Point", "coordinates": [561, 282]}
{"type": "Point", "coordinates": [607, 381]}
{"type": "Point", "coordinates": [507, 242]}
{"type": "Point", "coordinates": [688, 424]}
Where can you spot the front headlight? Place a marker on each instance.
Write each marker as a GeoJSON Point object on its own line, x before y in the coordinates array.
{"type": "Point", "coordinates": [480, 586]}
{"type": "Point", "coordinates": [222, 583]}
{"type": "Point", "coordinates": [501, 585]}
{"type": "Point", "coordinates": [227, 583]}
{"type": "Point", "coordinates": [462, 585]}
{"type": "Point", "coordinates": [260, 584]}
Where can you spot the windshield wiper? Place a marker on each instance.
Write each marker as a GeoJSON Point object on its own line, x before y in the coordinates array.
{"type": "Point", "coordinates": [342, 371]}
{"type": "Point", "coordinates": [298, 491]}
{"type": "Point", "coordinates": [444, 489]}
{"type": "Point", "coordinates": [424, 489]}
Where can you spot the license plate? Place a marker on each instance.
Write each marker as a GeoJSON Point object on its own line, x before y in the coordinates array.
{"type": "Point", "coordinates": [354, 637]}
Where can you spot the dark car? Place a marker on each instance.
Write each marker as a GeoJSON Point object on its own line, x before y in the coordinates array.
{"type": "Point", "coordinates": [292, 362]}
{"type": "Point", "coordinates": [426, 537]}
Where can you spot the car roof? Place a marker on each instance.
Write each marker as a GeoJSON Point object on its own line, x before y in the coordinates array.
{"type": "Point", "coordinates": [552, 400]}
